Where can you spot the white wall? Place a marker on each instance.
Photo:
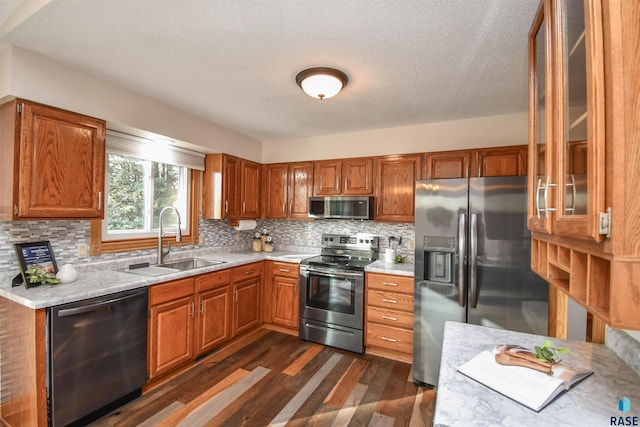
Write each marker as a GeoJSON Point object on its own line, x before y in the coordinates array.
{"type": "Point", "coordinates": [40, 79]}
{"type": "Point", "coordinates": [5, 66]}
{"type": "Point", "coordinates": [491, 131]}
{"type": "Point", "coordinates": [30, 76]}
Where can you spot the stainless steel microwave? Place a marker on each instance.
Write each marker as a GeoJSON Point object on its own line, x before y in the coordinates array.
{"type": "Point", "coordinates": [341, 207]}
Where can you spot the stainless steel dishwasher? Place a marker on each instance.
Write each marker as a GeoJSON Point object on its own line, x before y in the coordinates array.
{"type": "Point", "coordinates": [97, 355]}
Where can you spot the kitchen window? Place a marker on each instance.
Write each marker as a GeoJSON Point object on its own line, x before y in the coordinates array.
{"type": "Point", "coordinates": [137, 190]}
{"type": "Point", "coordinates": [143, 176]}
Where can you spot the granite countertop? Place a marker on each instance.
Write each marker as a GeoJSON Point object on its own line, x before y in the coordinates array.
{"type": "Point", "coordinates": [379, 266]}
{"type": "Point", "coordinates": [105, 277]}
{"type": "Point", "coordinates": [462, 401]}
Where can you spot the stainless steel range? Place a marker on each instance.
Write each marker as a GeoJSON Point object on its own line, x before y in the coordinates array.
{"type": "Point", "coordinates": [332, 291]}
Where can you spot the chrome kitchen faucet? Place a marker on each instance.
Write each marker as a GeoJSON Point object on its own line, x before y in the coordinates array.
{"type": "Point", "coordinates": [162, 252]}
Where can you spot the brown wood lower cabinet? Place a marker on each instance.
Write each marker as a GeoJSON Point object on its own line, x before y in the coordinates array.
{"type": "Point", "coordinates": [389, 316]}
{"type": "Point", "coordinates": [171, 323]}
{"type": "Point", "coordinates": [246, 297]}
{"type": "Point", "coordinates": [192, 316]}
{"type": "Point", "coordinates": [282, 294]}
{"type": "Point", "coordinates": [214, 307]}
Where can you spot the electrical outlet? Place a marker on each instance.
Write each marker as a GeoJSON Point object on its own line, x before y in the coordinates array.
{"type": "Point", "coordinates": [201, 239]}
{"type": "Point", "coordinates": [82, 250]}
{"type": "Point", "coordinates": [411, 245]}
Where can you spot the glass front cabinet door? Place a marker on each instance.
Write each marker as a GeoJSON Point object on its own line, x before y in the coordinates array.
{"type": "Point", "coordinates": [540, 154]}
{"type": "Point", "coordinates": [579, 131]}
{"type": "Point", "coordinates": [566, 134]}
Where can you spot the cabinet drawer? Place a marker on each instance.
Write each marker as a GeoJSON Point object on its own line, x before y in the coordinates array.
{"type": "Point", "coordinates": [286, 269]}
{"type": "Point", "coordinates": [247, 271]}
{"type": "Point", "coordinates": [390, 338]}
{"type": "Point", "coordinates": [390, 283]}
{"type": "Point", "coordinates": [166, 292]}
{"type": "Point", "coordinates": [398, 319]}
{"type": "Point", "coordinates": [213, 280]}
{"type": "Point", "coordinates": [390, 300]}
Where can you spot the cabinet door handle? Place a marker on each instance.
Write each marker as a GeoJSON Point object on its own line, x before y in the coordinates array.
{"type": "Point", "coordinates": [226, 206]}
{"type": "Point", "coordinates": [99, 200]}
{"type": "Point", "coordinates": [389, 284]}
{"type": "Point", "coordinates": [236, 296]}
{"type": "Point", "coordinates": [290, 208]}
{"type": "Point", "coordinates": [284, 270]}
{"type": "Point", "coordinates": [389, 318]}
{"type": "Point", "coordinates": [243, 207]}
{"type": "Point", "coordinates": [378, 209]}
{"type": "Point", "coordinates": [193, 310]}
{"type": "Point", "coordinates": [389, 339]}
{"type": "Point", "coordinates": [202, 308]}
{"type": "Point", "coordinates": [392, 301]}
{"type": "Point", "coordinates": [284, 206]}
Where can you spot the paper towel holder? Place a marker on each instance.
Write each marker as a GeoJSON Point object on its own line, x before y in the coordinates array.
{"type": "Point", "coordinates": [246, 224]}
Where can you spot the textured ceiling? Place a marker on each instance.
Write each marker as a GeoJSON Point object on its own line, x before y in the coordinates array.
{"type": "Point", "coordinates": [234, 62]}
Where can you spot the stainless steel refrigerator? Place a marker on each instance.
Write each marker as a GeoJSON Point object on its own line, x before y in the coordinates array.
{"type": "Point", "coordinates": [472, 264]}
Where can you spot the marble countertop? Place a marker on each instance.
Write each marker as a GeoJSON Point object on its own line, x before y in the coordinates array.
{"type": "Point", "coordinates": [379, 266]}
{"type": "Point", "coordinates": [106, 278]}
{"type": "Point", "coordinates": [462, 401]}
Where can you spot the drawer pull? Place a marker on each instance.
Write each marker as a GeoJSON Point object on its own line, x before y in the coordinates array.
{"type": "Point", "coordinates": [284, 270]}
{"type": "Point", "coordinates": [248, 271]}
{"type": "Point", "coordinates": [389, 284]}
{"type": "Point", "coordinates": [392, 301]}
{"type": "Point", "coordinates": [389, 339]}
{"type": "Point", "coordinates": [389, 318]}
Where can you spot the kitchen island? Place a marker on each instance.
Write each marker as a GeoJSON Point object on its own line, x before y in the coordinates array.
{"type": "Point", "coordinates": [461, 401]}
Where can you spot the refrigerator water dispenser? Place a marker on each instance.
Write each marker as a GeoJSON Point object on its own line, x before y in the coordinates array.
{"type": "Point", "coordinates": [439, 259]}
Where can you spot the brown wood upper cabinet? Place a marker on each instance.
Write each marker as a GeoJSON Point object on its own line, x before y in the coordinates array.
{"type": "Point", "coordinates": [348, 177]}
{"type": "Point", "coordinates": [567, 126]}
{"type": "Point", "coordinates": [53, 163]}
{"type": "Point", "coordinates": [497, 161]}
{"type": "Point", "coordinates": [447, 164]}
{"type": "Point", "coordinates": [231, 188]}
{"type": "Point", "coordinates": [395, 187]}
{"type": "Point", "coordinates": [584, 162]}
{"type": "Point", "coordinates": [286, 189]}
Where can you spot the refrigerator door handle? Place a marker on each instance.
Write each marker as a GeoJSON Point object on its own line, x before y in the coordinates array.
{"type": "Point", "coordinates": [473, 264]}
{"type": "Point", "coordinates": [462, 249]}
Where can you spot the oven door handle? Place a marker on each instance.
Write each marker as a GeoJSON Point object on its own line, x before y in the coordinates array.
{"type": "Point", "coordinates": [333, 273]}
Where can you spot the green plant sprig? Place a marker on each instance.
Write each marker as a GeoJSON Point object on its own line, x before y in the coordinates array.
{"type": "Point", "coordinates": [546, 353]}
{"type": "Point", "coordinates": [43, 276]}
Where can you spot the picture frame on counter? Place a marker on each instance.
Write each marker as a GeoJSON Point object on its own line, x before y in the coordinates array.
{"type": "Point", "coordinates": [32, 255]}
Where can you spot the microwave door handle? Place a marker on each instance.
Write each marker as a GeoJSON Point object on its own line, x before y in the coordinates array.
{"type": "Point", "coordinates": [462, 249]}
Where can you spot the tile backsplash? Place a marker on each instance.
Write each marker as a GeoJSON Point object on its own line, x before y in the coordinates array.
{"type": "Point", "coordinates": [66, 235]}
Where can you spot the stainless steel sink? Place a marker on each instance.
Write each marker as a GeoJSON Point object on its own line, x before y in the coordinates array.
{"type": "Point", "coordinates": [189, 263]}
{"type": "Point", "coordinates": [172, 267]}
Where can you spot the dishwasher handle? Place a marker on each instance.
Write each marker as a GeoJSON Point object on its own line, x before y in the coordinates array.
{"type": "Point", "coordinates": [96, 306]}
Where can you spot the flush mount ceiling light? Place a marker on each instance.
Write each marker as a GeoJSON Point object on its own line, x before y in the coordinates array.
{"type": "Point", "coordinates": [321, 82]}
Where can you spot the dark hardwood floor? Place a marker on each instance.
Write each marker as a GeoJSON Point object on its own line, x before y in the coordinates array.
{"type": "Point", "coordinates": [274, 379]}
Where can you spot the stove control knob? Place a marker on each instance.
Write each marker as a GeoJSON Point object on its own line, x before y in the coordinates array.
{"type": "Point", "coordinates": [331, 239]}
